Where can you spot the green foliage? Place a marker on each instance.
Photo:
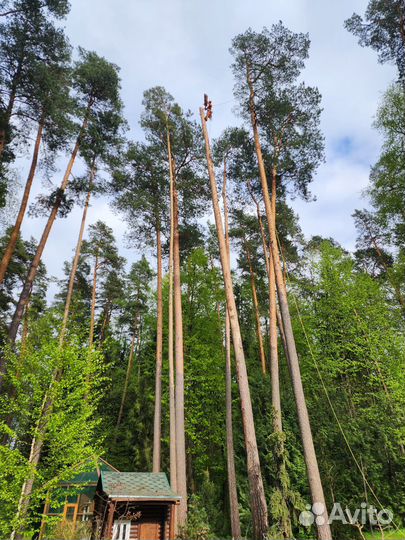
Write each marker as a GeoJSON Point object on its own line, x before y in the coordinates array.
{"type": "Point", "coordinates": [71, 440]}
{"type": "Point", "coordinates": [387, 189]}
{"type": "Point", "coordinates": [382, 29]}
{"type": "Point", "coordinates": [197, 522]}
{"type": "Point", "coordinates": [287, 110]}
{"type": "Point", "coordinates": [357, 345]}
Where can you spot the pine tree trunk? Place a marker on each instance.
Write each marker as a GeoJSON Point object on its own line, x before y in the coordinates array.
{"type": "Point", "coordinates": [23, 206]}
{"type": "Point", "coordinates": [22, 302]}
{"type": "Point", "coordinates": [274, 364]}
{"type": "Point", "coordinates": [108, 309]}
{"type": "Point", "coordinates": [93, 302]}
{"type": "Point", "coordinates": [257, 313]}
{"type": "Point", "coordinates": [314, 479]}
{"type": "Point", "coordinates": [128, 375]}
{"type": "Point", "coordinates": [75, 263]}
{"type": "Point", "coordinates": [179, 355]}
{"type": "Point", "coordinates": [257, 496]}
{"type": "Point", "coordinates": [230, 453]}
{"type": "Point", "coordinates": [269, 264]}
{"type": "Point", "coordinates": [172, 405]}
{"type": "Point", "coordinates": [157, 425]}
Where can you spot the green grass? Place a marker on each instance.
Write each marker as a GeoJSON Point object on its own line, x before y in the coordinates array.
{"type": "Point", "coordinates": [394, 535]}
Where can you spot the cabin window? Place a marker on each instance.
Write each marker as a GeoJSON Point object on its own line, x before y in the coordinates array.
{"type": "Point", "coordinates": [70, 512]}
{"type": "Point", "coordinates": [85, 511]}
{"type": "Point", "coordinates": [86, 514]}
{"type": "Point", "coordinates": [121, 530]}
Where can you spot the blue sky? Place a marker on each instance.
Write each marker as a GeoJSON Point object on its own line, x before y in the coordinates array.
{"type": "Point", "coordinates": [183, 45]}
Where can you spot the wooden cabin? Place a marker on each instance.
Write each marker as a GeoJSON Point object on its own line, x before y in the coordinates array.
{"type": "Point", "coordinates": [134, 506]}
{"type": "Point", "coordinates": [76, 499]}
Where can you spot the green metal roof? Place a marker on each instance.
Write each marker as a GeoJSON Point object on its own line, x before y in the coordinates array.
{"type": "Point", "coordinates": [135, 485]}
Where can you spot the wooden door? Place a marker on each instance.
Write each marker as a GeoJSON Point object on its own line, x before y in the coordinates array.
{"type": "Point", "coordinates": [150, 530]}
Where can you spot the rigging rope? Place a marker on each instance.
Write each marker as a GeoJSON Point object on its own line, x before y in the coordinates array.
{"type": "Point", "coordinates": [324, 386]}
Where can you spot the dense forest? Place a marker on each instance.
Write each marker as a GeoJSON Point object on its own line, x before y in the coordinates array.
{"type": "Point", "coordinates": [263, 371]}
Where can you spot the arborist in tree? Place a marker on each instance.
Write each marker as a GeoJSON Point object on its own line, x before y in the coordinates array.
{"type": "Point", "coordinates": [207, 107]}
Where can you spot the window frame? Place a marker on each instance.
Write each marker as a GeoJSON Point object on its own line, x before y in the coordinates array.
{"type": "Point", "coordinates": [116, 526]}
{"type": "Point", "coordinates": [65, 509]}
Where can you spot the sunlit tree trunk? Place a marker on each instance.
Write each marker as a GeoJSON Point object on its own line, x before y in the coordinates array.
{"type": "Point", "coordinates": [256, 489]}
{"type": "Point", "coordinates": [76, 259]}
{"type": "Point", "coordinates": [157, 426]}
{"type": "Point", "coordinates": [230, 453]}
{"type": "Point", "coordinates": [179, 356]}
{"type": "Point", "coordinates": [5, 261]}
{"type": "Point", "coordinates": [314, 479]}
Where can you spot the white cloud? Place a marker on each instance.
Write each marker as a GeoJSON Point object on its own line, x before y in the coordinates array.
{"type": "Point", "coordinates": [183, 45]}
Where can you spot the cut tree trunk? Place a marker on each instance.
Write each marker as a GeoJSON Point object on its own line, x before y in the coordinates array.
{"type": "Point", "coordinates": [75, 263]}
{"type": "Point", "coordinates": [22, 302]}
{"type": "Point", "coordinates": [230, 453]}
{"type": "Point", "coordinates": [256, 489]}
{"type": "Point", "coordinates": [314, 478]}
{"type": "Point", "coordinates": [5, 261]}
{"type": "Point", "coordinates": [157, 424]}
{"type": "Point", "coordinates": [179, 355]}
{"type": "Point", "coordinates": [172, 406]}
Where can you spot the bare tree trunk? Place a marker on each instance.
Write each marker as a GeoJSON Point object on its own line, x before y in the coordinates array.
{"type": "Point", "coordinates": [179, 355]}
{"type": "Point", "coordinates": [5, 261]}
{"type": "Point", "coordinates": [15, 323]}
{"type": "Point", "coordinates": [172, 405]}
{"type": "Point", "coordinates": [230, 453]}
{"type": "Point", "coordinates": [128, 374]}
{"type": "Point", "coordinates": [257, 313]}
{"type": "Point", "coordinates": [314, 479]}
{"type": "Point", "coordinates": [75, 263]}
{"type": "Point", "coordinates": [157, 425]}
{"type": "Point", "coordinates": [257, 497]}
{"type": "Point", "coordinates": [93, 302]}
